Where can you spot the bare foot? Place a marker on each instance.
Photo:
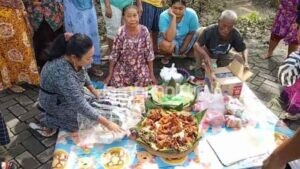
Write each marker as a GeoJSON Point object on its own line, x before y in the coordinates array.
{"type": "Point", "coordinates": [266, 56]}
{"type": "Point", "coordinates": [17, 89]}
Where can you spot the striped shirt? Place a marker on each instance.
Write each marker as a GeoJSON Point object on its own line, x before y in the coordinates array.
{"type": "Point", "coordinates": [289, 71]}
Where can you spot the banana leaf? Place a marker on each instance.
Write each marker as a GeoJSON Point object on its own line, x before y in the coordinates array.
{"type": "Point", "coordinates": [176, 101]}
{"type": "Point", "coordinates": [140, 139]}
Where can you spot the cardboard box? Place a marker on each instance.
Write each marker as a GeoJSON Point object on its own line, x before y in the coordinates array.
{"type": "Point", "coordinates": [231, 78]}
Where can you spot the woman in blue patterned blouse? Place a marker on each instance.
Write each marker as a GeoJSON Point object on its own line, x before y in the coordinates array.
{"type": "Point", "coordinates": [61, 90]}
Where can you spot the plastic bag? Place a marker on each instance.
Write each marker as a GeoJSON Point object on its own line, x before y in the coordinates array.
{"type": "Point", "coordinates": [123, 106]}
{"type": "Point", "coordinates": [167, 74]}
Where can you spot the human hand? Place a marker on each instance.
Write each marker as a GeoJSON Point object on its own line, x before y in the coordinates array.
{"type": "Point", "coordinates": [96, 93]}
{"type": "Point", "coordinates": [114, 127]}
{"type": "Point", "coordinates": [107, 79]}
{"type": "Point", "coordinates": [246, 66]}
{"type": "Point", "coordinates": [140, 9]}
{"type": "Point", "coordinates": [68, 35]}
{"type": "Point", "coordinates": [171, 13]}
{"type": "Point", "coordinates": [108, 12]}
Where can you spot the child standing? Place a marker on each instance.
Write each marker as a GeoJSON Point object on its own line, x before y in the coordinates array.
{"type": "Point", "coordinates": [112, 13]}
{"type": "Point", "coordinates": [131, 60]}
{"type": "Point", "coordinates": [151, 9]}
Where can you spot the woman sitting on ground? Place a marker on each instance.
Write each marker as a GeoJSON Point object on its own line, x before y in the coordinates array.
{"type": "Point", "coordinates": [131, 60]}
{"type": "Point", "coordinates": [178, 30]}
{"type": "Point", "coordinates": [63, 77]}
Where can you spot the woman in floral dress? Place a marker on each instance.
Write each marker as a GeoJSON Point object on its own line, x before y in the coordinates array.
{"type": "Point", "coordinates": [17, 62]}
{"type": "Point", "coordinates": [131, 60]}
{"type": "Point", "coordinates": [284, 27]}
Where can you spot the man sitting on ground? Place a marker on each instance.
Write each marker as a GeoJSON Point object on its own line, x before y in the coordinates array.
{"type": "Point", "coordinates": [217, 40]}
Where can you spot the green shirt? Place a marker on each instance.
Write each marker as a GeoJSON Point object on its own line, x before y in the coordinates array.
{"type": "Point", "coordinates": [121, 4]}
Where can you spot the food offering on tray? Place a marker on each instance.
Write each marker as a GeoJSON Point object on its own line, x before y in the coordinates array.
{"type": "Point", "coordinates": [169, 133]}
{"type": "Point", "coordinates": [173, 96]}
{"type": "Point", "coordinates": [115, 158]}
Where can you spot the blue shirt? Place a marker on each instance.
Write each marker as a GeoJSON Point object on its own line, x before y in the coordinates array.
{"type": "Point", "coordinates": [189, 23]}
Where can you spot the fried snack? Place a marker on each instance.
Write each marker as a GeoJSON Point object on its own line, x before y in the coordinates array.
{"type": "Point", "coordinates": [169, 130]}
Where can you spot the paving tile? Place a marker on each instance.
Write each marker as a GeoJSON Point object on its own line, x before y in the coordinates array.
{"type": "Point", "coordinates": [17, 110]}
{"type": "Point", "coordinates": [31, 94]}
{"type": "Point", "coordinates": [268, 77]}
{"type": "Point", "coordinates": [33, 145]}
{"type": "Point", "coordinates": [252, 86]}
{"type": "Point", "coordinates": [269, 90]}
{"type": "Point", "coordinates": [13, 121]}
{"type": "Point", "coordinates": [7, 104]}
{"type": "Point", "coordinates": [38, 136]}
{"type": "Point", "coordinates": [9, 97]}
{"type": "Point", "coordinates": [273, 84]}
{"type": "Point", "coordinates": [19, 128]}
{"type": "Point", "coordinates": [27, 161]}
{"type": "Point", "coordinates": [24, 100]}
{"type": "Point", "coordinates": [3, 152]}
{"type": "Point", "coordinates": [5, 112]}
{"type": "Point", "coordinates": [16, 150]}
{"type": "Point", "coordinates": [33, 112]}
{"type": "Point", "coordinates": [30, 106]}
{"type": "Point", "coordinates": [17, 139]}
{"type": "Point", "coordinates": [3, 93]}
{"type": "Point", "coordinates": [46, 155]}
{"type": "Point", "coordinates": [258, 81]}
{"type": "Point", "coordinates": [48, 142]}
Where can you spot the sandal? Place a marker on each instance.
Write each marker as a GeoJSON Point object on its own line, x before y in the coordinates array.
{"type": "Point", "coordinates": [43, 131]}
{"type": "Point", "coordinates": [8, 165]}
{"type": "Point", "coordinates": [17, 89]}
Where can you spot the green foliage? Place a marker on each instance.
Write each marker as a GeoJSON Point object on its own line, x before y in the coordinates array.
{"type": "Point", "coordinates": [253, 25]}
{"type": "Point", "coordinates": [251, 18]}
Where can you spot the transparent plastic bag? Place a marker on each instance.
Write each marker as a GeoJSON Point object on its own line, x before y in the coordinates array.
{"type": "Point", "coordinates": [123, 106]}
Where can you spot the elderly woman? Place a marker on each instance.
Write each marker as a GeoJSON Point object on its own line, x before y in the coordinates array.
{"type": "Point", "coordinates": [178, 27]}
{"type": "Point", "coordinates": [217, 40]}
{"type": "Point", "coordinates": [62, 95]}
